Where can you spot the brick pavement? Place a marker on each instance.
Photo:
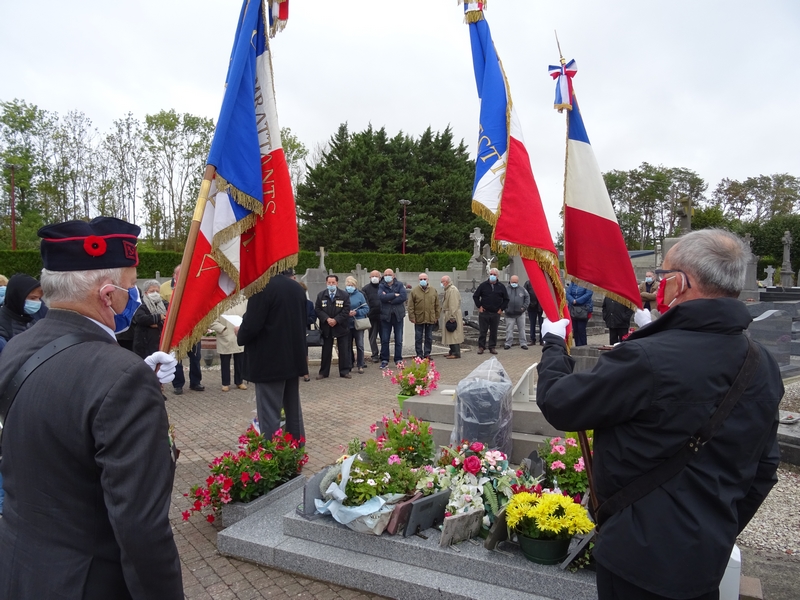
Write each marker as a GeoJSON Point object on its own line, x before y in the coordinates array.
{"type": "Point", "coordinates": [335, 411]}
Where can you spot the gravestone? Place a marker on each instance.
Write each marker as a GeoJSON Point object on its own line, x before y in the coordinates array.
{"type": "Point", "coordinates": [489, 261]}
{"type": "Point", "coordinates": [773, 330]}
{"type": "Point", "coordinates": [787, 277]}
{"type": "Point", "coordinates": [361, 275]}
{"type": "Point", "coordinates": [475, 266]}
{"type": "Point", "coordinates": [315, 278]}
{"type": "Point", "coordinates": [750, 291]}
{"type": "Point", "coordinates": [769, 280]}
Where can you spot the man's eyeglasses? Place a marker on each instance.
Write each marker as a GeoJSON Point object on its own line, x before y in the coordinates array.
{"type": "Point", "coordinates": [660, 274]}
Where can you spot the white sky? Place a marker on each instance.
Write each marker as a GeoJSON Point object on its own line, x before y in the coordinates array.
{"type": "Point", "coordinates": [708, 85]}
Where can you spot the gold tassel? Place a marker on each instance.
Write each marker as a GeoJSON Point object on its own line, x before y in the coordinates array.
{"type": "Point", "coordinates": [473, 16]}
{"type": "Point", "coordinates": [241, 198]}
{"type": "Point", "coordinates": [612, 295]}
{"type": "Point", "coordinates": [484, 213]}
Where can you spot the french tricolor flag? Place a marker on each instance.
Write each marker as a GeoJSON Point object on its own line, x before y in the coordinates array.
{"type": "Point", "coordinates": [248, 228]}
{"type": "Point", "coordinates": [504, 191]}
{"type": "Point", "coordinates": [594, 249]}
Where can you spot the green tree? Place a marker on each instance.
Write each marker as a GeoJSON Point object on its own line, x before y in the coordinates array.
{"type": "Point", "coordinates": [758, 199]}
{"type": "Point", "coordinates": [296, 154]}
{"type": "Point", "coordinates": [349, 200]}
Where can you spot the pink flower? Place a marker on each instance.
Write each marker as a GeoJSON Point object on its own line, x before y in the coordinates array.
{"type": "Point", "coordinates": [579, 466]}
{"type": "Point", "coordinates": [554, 441]}
{"type": "Point", "coordinates": [571, 442]}
{"type": "Point", "coordinates": [373, 428]}
{"type": "Point", "coordinates": [455, 462]}
{"type": "Point", "coordinates": [559, 449]}
{"type": "Point", "coordinates": [257, 477]}
{"type": "Point", "coordinates": [472, 464]}
{"type": "Point", "coordinates": [394, 380]}
{"type": "Point", "coordinates": [558, 465]}
{"type": "Point", "coordinates": [394, 459]}
{"type": "Point", "coordinates": [411, 379]}
{"type": "Point", "coordinates": [418, 390]}
{"type": "Point", "coordinates": [476, 446]}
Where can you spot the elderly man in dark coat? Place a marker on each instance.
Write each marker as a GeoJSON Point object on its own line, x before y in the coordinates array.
{"type": "Point", "coordinates": [333, 312]}
{"type": "Point", "coordinates": [273, 333]}
{"type": "Point", "coordinates": [87, 458]}
{"type": "Point", "coordinates": [674, 541]}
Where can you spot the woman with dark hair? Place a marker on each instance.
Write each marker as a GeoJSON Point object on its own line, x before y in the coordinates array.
{"type": "Point", "coordinates": [148, 321]}
{"type": "Point", "coordinates": [23, 300]}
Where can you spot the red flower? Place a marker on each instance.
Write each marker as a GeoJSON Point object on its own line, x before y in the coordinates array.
{"type": "Point", "coordinates": [94, 245]}
{"type": "Point", "coordinates": [245, 477]}
{"type": "Point", "coordinates": [476, 447]}
{"type": "Point", "coordinates": [186, 514]}
{"type": "Point", "coordinates": [210, 480]}
{"type": "Point", "coordinates": [257, 476]}
{"type": "Point", "coordinates": [210, 518]}
{"type": "Point", "coordinates": [472, 464]}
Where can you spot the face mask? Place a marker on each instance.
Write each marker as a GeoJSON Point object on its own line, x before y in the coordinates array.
{"type": "Point", "coordinates": [375, 280]}
{"type": "Point", "coordinates": [123, 320]}
{"type": "Point", "coordinates": [32, 306]}
{"type": "Point", "coordinates": [154, 296]}
{"type": "Point", "coordinates": [388, 278]}
{"type": "Point", "coordinates": [648, 280]}
{"type": "Point", "coordinates": [2, 293]}
{"type": "Point", "coordinates": [423, 282]}
{"type": "Point", "coordinates": [331, 289]}
{"type": "Point", "coordinates": [492, 278]}
{"type": "Point", "coordinates": [350, 289]}
{"type": "Point", "coordinates": [513, 285]}
{"type": "Point", "coordinates": [662, 285]}
{"type": "Point", "coordinates": [441, 284]}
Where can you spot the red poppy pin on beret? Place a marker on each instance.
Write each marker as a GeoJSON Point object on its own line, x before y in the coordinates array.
{"type": "Point", "coordinates": [102, 243]}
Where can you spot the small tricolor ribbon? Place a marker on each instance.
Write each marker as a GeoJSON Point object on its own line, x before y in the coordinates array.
{"type": "Point", "coordinates": [563, 75]}
{"type": "Point", "coordinates": [278, 15]}
{"type": "Point", "coordinates": [473, 11]}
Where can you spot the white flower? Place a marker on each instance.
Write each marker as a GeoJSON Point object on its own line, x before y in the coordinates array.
{"type": "Point", "coordinates": [371, 482]}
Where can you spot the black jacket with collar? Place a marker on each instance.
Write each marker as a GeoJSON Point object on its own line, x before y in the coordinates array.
{"type": "Point", "coordinates": [339, 309]}
{"type": "Point", "coordinates": [645, 399]}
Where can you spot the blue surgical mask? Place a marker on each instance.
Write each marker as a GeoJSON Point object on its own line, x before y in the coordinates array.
{"type": "Point", "coordinates": [648, 279]}
{"type": "Point", "coordinates": [388, 278]}
{"type": "Point", "coordinates": [513, 285]}
{"type": "Point", "coordinates": [423, 282]}
{"type": "Point", "coordinates": [32, 306]}
{"type": "Point", "coordinates": [123, 320]}
{"type": "Point", "coordinates": [2, 293]}
{"type": "Point", "coordinates": [350, 289]}
{"type": "Point", "coordinates": [331, 289]}
{"type": "Point", "coordinates": [492, 278]}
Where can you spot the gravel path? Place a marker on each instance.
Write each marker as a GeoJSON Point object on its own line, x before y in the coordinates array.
{"type": "Point", "coordinates": [791, 399]}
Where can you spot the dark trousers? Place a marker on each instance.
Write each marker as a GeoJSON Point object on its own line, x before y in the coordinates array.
{"type": "Point", "coordinates": [533, 318]}
{"type": "Point", "coordinates": [195, 376]}
{"type": "Point", "coordinates": [579, 331]}
{"type": "Point", "coordinates": [387, 327]}
{"type": "Point", "coordinates": [455, 350]}
{"type": "Point", "coordinates": [374, 332]}
{"type": "Point", "coordinates": [270, 398]}
{"type": "Point", "coordinates": [225, 368]}
{"type": "Point", "coordinates": [488, 321]}
{"type": "Point", "coordinates": [342, 347]}
{"type": "Point", "coordinates": [423, 339]}
{"type": "Point", "coordinates": [613, 587]}
{"type": "Point", "coordinates": [615, 334]}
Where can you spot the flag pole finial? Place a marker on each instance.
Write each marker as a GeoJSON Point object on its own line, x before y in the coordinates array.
{"type": "Point", "coordinates": [561, 58]}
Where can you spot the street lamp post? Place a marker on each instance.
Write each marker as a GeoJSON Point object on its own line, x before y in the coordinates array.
{"type": "Point", "coordinates": [13, 168]}
{"type": "Point", "coordinates": [404, 203]}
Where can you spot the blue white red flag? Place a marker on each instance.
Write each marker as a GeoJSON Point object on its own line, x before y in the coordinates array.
{"type": "Point", "coordinates": [595, 254]}
{"type": "Point", "coordinates": [505, 192]}
{"type": "Point", "coordinates": [248, 230]}
{"type": "Point", "coordinates": [563, 75]}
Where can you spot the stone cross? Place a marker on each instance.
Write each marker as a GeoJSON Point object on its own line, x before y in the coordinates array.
{"type": "Point", "coordinates": [748, 239]}
{"type": "Point", "coordinates": [322, 256]}
{"type": "Point", "coordinates": [477, 237]}
{"type": "Point", "coordinates": [770, 279]}
{"type": "Point", "coordinates": [787, 244]}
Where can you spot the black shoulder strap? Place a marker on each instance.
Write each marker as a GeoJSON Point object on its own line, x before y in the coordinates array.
{"type": "Point", "coordinates": [673, 465]}
{"type": "Point", "coordinates": [37, 360]}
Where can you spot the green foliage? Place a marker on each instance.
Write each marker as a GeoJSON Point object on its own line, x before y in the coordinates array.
{"type": "Point", "coordinates": [411, 438]}
{"type": "Point", "coordinates": [377, 472]}
{"type": "Point", "coordinates": [349, 200]}
{"type": "Point", "coordinates": [163, 262]}
{"type": "Point", "coordinates": [767, 240]}
{"type": "Point", "coordinates": [21, 261]}
{"type": "Point", "coordinates": [564, 464]}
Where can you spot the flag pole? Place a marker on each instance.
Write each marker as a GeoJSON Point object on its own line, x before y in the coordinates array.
{"type": "Point", "coordinates": [186, 261]}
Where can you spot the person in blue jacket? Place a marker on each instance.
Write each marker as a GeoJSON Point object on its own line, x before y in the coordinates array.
{"type": "Point", "coordinates": [392, 295]}
{"type": "Point", "coordinates": [359, 309]}
{"type": "Point", "coordinates": [578, 296]}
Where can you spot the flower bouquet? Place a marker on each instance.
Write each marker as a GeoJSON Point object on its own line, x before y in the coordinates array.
{"type": "Point", "coordinates": [417, 379]}
{"type": "Point", "coordinates": [259, 466]}
{"type": "Point", "coordinates": [409, 437]}
{"type": "Point", "coordinates": [545, 522]}
{"type": "Point", "coordinates": [564, 466]}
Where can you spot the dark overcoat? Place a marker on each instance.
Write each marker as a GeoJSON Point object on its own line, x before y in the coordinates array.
{"type": "Point", "coordinates": [339, 309]}
{"type": "Point", "coordinates": [273, 332]}
{"type": "Point", "coordinates": [145, 337]}
{"type": "Point", "coordinates": [87, 471]}
{"type": "Point", "coordinates": [645, 399]}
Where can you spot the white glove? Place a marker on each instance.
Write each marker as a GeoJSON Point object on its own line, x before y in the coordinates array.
{"type": "Point", "coordinates": [642, 317]}
{"type": "Point", "coordinates": [558, 328]}
{"type": "Point", "coordinates": [165, 363]}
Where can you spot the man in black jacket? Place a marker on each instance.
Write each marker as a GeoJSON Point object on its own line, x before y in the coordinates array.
{"type": "Point", "coordinates": [674, 542]}
{"type": "Point", "coordinates": [491, 298]}
{"type": "Point", "coordinates": [617, 318]}
{"type": "Point", "coordinates": [370, 292]}
{"type": "Point", "coordinates": [333, 312]}
{"type": "Point", "coordinates": [273, 333]}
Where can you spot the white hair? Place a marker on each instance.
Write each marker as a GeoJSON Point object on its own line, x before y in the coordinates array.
{"type": "Point", "coordinates": [717, 259]}
{"type": "Point", "coordinates": [75, 286]}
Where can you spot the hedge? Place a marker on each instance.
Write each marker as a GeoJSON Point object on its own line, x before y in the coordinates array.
{"type": "Point", "coordinates": [30, 262]}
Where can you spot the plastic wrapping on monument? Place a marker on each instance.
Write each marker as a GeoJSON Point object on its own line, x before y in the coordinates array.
{"type": "Point", "coordinates": [483, 409]}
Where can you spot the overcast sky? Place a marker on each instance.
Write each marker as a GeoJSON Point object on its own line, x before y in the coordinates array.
{"type": "Point", "coordinates": [708, 85]}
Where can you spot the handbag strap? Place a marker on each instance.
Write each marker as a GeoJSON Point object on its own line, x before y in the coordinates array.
{"type": "Point", "coordinates": [668, 469]}
{"type": "Point", "coordinates": [37, 360]}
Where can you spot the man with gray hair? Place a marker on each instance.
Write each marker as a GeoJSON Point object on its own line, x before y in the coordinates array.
{"type": "Point", "coordinates": [675, 487]}
{"type": "Point", "coordinates": [491, 298]}
{"type": "Point", "coordinates": [88, 462]}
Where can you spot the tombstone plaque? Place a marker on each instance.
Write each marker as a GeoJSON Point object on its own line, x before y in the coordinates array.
{"type": "Point", "coordinates": [315, 278]}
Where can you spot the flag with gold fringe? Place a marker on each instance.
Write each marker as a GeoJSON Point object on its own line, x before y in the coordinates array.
{"type": "Point", "coordinates": [504, 191]}
{"type": "Point", "coordinates": [248, 229]}
{"type": "Point", "coordinates": [595, 254]}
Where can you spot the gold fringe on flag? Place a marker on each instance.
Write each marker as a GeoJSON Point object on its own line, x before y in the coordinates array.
{"type": "Point", "coordinates": [484, 213]}
{"type": "Point", "coordinates": [608, 294]}
{"type": "Point", "coordinates": [473, 16]}
{"type": "Point", "coordinates": [241, 198]}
